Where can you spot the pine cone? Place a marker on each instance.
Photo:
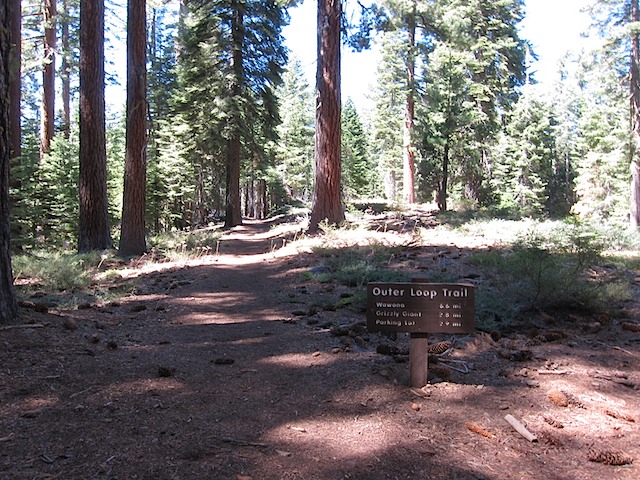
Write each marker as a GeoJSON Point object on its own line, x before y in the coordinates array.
{"type": "Point", "coordinates": [609, 457]}
{"type": "Point", "coordinates": [479, 430]}
{"type": "Point", "coordinates": [630, 326]}
{"type": "Point", "coordinates": [551, 336]}
{"type": "Point", "coordinates": [558, 397]}
{"type": "Point", "coordinates": [439, 348]}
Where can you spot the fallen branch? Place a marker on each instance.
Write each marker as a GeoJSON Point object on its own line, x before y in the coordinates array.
{"type": "Point", "coordinates": [448, 362]}
{"type": "Point", "coordinates": [624, 351]}
{"type": "Point", "coordinates": [552, 372]}
{"type": "Point", "coordinates": [520, 428]}
{"type": "Point", "coordinates": [622, 380]}
{"type": "Point", "coordinates": [25, 325]}
{"type": "Point", "coordinates": [244, 443]}
{"type": "Point", "coordinates": [615, 347]}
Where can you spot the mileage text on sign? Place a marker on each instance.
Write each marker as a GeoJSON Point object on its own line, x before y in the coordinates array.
{"type": "Point", "coordinates": [420, 307]}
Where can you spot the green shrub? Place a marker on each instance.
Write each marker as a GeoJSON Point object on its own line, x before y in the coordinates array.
{"type": "Point", "coordinates": [357, 266]}
{"type": "Point", "coordinates": [544, 270]}
{"type": "Point", "coordinates": [178, 245]}
{"type": "Point", "coordinates": [57, 271]}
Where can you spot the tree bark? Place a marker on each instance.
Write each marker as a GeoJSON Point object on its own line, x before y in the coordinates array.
{"type": "Point", "coordinates": [327, 198]}
{"type": "Point", "coordinates": [234, 204]}
{"type": "Point", "coordinates": [93, 220]}
{"type": "Point", "coordinates": [48, 78]}
{"type": "Point", "coordinates": [132, 236]}
{"type": "Point", "coordinates": [408, 154]}
{"type": "Point", "coordinates": [444, 180]}
{"type": "Point", "coordinates": [14, 19]}
{"type": "Point", "coordinates": [234, 145]}
{"type": "Point", "coordinates": [634, 96]}
{"type": "Point", "coordinates": [8, 304]}
{"type": "Point", "coordinates": [65, 72]}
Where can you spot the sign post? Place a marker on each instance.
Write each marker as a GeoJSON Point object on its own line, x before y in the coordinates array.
{"type": "Point", "coordinates": [418, 359]}
{"type": "Point", "coordinates": [420, 308]}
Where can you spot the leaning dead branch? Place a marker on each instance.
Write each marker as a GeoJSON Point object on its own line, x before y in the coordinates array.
{"type": "Point", "coordinates": [520, 428]}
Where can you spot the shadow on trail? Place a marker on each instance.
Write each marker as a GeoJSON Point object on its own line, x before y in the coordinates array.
{"type": "Point", "coordinates": [216, 380]}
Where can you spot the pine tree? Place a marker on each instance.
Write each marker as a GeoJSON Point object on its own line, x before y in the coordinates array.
{"type": "Point", "coordinates": [604, 145]}
{"type": "Point", "coordinates": [488, 30]}
{"type": "Point", "coordinates": [8, 304]}
{"type": "Point", "coordinates": [296, 133]}
{"type": "Point", "coordinates": [566, 104]}
{"type": "Point", "coordinates": [132, 238]}
{"type": "Point", "coordinates": [14, 23]}
{"type": "Point", "coordinates": [524, 173]}
{"type": "Point", "coordinates": [618, 22]}
{"type": "Point", "coordinates": [327, 199]}
{"type": "Point", "coordinates": [447, 114]}
{"type": "Point", "coordinates": [402, 16]}
{"type": "Point", "coordinates": [389, 95]}
{"type": "Point", "coordinates": [93, 216]}
{"type": "Point", "coordinates": [166, 193]}
{"type": "Point", "coordinates": [231, 62]}
{"type": "Point", "coordinates": [359, 178]}
{"type": "Point", "coordinates": [69, 30]}
{"type": "Point", "coordinates": [48, 76]}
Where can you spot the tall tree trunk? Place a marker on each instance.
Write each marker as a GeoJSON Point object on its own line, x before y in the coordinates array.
{"type": "Point", "coordinates": [48, 78]}
{"type": "Point", "coordinates": [261, 199]}
{"type": "Point", "coordinates": [234, 145]}
{"type": "Point", "coordinates": [327, 198]}
{"type": "Point", "coordinates": [8, 304]}
{"type": "Point", "coordinates": [408, 152]}
{"type": "Point", "coordinates": [14, 19]}
{"type": "Point", "coordinates": [444, 180]}
{"type": "Point", "coordinates": [65, 71]}
{"type": "Point", "coordinates": [634, 96]}
{"type": "Point", "coordinates": [132, 237]}
{"type": "Point", "coordinates": [234, 205]}
{"type": "Point", "coordinates": [93, 219]}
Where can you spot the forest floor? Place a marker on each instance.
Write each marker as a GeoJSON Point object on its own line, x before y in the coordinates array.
{"type": "Point", "coordinates": [228, 367]}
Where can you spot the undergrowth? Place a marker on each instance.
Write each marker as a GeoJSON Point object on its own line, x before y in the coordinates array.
{"type": "Point", "coordinates": [186, 245]}
{"type": "Point", "coordinates": [56, 271]}
{"type": "Point", "coordinates": [87, 276]}
{"type": "Point", "coordinates": [545, 270]}
{"type": "Point", "coordinates": [539, 266]}
{"type": "Point", "coordinates": [353, 257]}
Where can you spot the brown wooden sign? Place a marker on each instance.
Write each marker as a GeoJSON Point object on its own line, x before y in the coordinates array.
{"type": "Point", "coordinates": [420, 307]}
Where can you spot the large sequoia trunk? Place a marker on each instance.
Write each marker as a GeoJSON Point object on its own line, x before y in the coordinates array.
{"type": "Point", "coordinates": [93, 219]}
{"type": "Point", "coordinates": [409, 154]}
{"type": "Point", "coordinates": [48, 78]}
{"type": "Point", "coordinates": [14, 18]}
{"type": "Point", "coordinates": [8, 305]}
{"type": "Point", "coordinates": [327, 198]}
{"type": "Point", "coordinates": [65, 72]}
{"type": "Point", "coordinates": [634, 97]}
{"type": "Point", "coordinates": [234, 145]}
{"type": "Point", "coordinates": [132, 238]}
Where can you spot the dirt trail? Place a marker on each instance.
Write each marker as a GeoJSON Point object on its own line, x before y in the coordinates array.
{"type": "Point", "coordinates": [211, 371]}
